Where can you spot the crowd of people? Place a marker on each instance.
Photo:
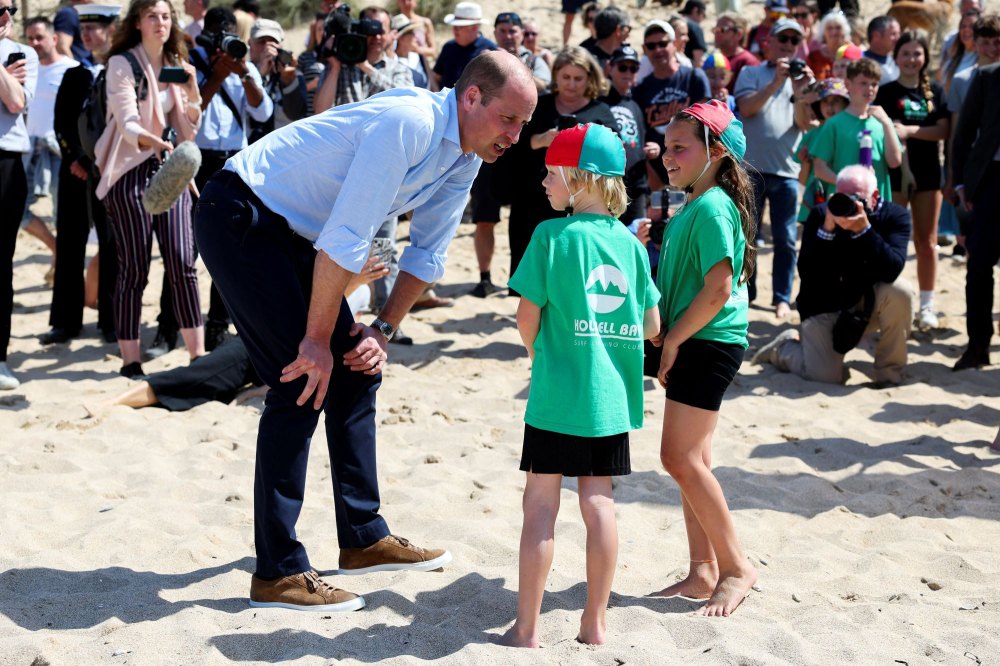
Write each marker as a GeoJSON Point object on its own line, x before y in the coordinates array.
{"type": "Point", "coordinates": [664, 148]}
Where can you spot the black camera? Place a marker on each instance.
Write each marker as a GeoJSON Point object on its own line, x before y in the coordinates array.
{"type": "Point", "coordinates": [565, 122]}
{"type": "Point", "coordinates": [350, 38]}
{"type": "Point", "coordinates": [843, 205]}
{"type": "Point", "coordinates": [796, 68]}
{"type": "Point", "coordinates": [284, 57]}
{"type": "Point", "coordinates": [226, 42]}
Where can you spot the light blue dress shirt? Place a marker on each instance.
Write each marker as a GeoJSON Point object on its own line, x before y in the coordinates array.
{"type": "Point", "coordinates": [337, 176]}
{"type": "Point", "coordinates": [219, 129]}
{"type": "Point", "coordinates": [13, 132]}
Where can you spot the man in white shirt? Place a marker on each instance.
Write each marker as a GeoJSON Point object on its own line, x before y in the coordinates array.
{"type": "Point", "coordinates": [196, 10]}
{"type": "Point", "coordinates": [42, 167]}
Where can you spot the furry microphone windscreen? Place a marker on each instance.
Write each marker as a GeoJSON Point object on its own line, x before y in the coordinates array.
{"type": "Point", "coordinates": [174, 174]}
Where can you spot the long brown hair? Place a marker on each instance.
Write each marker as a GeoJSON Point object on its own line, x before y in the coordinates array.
{"type": "Point", "coordinates": [127, 34]}
{"type": "Point", "coordinates": [734, 181]}
{"type": "Point", "coordinates": [920, 37]}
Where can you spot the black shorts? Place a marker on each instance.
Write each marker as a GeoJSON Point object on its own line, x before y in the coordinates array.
{"type": "Point", "coordinates": [547, 452]}
{"type": "Point", "coordinates": [926, 178]}
{"type": "Point", "coordinates": [572, 6]}
{"type": "Point", "coordinates": [702, 372]}
{"type": "Point", "coordinates": [485, 205]}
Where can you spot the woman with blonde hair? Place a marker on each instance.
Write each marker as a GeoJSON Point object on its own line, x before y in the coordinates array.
{"type": "Point", "coordinates": [142, 110]}
{"type": "Point", "coordinates": [577, 82]}
{"type": "Point", "coordinates": [834, 32]}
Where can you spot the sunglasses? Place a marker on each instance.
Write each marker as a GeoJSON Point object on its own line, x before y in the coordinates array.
{"type": "Point", "coordinates": [628, 68]}
{"type": "Point", "coordinates": [654, 46]}
{"type": "Point", "coordinates": [728, 28]}
{"type": "Point", "coordinates": [788, 39]}
{"type": "Point", "coordinates": [529, 33]}
{"type": "Point", "coordinates": [11, 10]}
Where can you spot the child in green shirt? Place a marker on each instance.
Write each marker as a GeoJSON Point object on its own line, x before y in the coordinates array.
{"type": "Point", "coordinates": [704, 265]}
{"type": "Point", "coordinates": [587, 303]}
{"type": "Point", "coordinates": [838, 143]}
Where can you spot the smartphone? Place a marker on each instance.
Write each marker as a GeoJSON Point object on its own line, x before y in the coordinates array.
{"type": "Point", "coordinates": [14, 57]}
{"type": "Point", "coordinates": [173, 75]}
{"type": "Point", "coordinates": [566, 122]}
{"type": "Point", "coordinates": [382, 248]}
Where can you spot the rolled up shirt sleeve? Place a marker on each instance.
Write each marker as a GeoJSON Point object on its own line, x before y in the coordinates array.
{"type": "Point", "coordinates": [434, 225]}
{"type": "Point", "coordinates": [386, 146]}
{"type": "Point", "coordinates": [263, 111]}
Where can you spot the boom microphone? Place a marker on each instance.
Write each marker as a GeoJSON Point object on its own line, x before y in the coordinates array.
{"type": "Point", "coordinates": [169, 182]}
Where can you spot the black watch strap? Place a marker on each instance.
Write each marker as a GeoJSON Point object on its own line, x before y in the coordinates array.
{"type": "Point", "coordinates": [384, 327]}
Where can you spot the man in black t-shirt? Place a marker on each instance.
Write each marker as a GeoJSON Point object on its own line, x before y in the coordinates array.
{"type": "Point", "coordinates": [694, 14]}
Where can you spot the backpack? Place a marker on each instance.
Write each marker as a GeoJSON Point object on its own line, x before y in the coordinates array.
{"type": "Point", "coordinates": [94, 116]}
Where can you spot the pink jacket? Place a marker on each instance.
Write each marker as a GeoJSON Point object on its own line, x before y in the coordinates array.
{"type": "Point", "coordinates": [117, 151]}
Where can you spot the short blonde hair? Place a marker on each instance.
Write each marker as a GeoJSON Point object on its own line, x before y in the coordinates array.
{"type": "Point", "coordinates": [610, 188]}
{"type": "Point", "coordinates": [597, 85]}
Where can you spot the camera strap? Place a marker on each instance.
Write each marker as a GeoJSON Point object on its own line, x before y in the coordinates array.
{"type": "Point", "coordinates": [206, 69]}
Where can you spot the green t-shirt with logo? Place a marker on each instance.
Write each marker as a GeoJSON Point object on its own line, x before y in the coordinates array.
{"type": "Point", "coordinates": [591, 279]}
{"type": "Point", "coordinates": [839, 145]}
{"type": "Point", "coordinates": [700, 235]}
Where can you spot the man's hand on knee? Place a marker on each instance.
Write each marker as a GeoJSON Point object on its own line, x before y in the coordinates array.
{"type": "Point", "coordinates": [315, 361]}
{"type": "Point", "coordinates": [369, 355]}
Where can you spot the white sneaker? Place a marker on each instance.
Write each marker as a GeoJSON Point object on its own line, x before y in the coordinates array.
{"type": "Point", "coordinates": [7, 379]}
{"type": "Point", "coordinates": [927, 320]}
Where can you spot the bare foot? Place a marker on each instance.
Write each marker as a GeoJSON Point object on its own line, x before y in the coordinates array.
{"type": "Point", "coordinates": [699, 584]}
{"type": "Point", "coordinates": [515, 638]}
{"type": "Point", "coordinates": [782, 310]}
{"type": "Point", "coordinates": [729, 593]}
{"type": "Point", "coordinates": [96, 410]}
{"type": "Point", "coordinates": [592, 632]}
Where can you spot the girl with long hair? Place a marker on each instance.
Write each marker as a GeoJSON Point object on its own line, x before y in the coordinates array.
{"type": "Point", "coordinates": [962, 53]}
{"type": "Point", "coordinates": [705, 263]}
{"type": "Point", "coordinates": [916, 106]}
{"type": "Point", "coordinates": [130, 152]}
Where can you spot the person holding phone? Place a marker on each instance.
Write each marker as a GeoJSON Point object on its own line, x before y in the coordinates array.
{"type": "Point", "coordinates": [18, 78]}
{"type": "Point", "coordinates": [577, 82]}
{"type": "Point", "coordinates": [127, 155]}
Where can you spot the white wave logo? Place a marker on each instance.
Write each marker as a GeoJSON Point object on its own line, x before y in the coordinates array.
{"type": "Point", "coordinates": [602, 298]}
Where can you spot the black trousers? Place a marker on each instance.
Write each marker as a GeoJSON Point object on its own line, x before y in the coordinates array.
{"type": "Point", "coordinates": [217, 313]}
{"type": "Point", "coordinates": [13, 195]}
{"type": "Point", "coordinates": [983, 243]}
{"type": "Point", "coordinates": [78, 208]}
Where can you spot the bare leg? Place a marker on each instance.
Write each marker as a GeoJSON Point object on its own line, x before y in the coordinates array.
{"type": "Point", "coordinates": [540, 505]}
{"type": "Point", "coordinates": [686, 431]}
{"type": "Point", "coordinates": [39, 230]}
{"type": "Point", "coordinates": [140, 395]}
{"type": "Point", "coordinates": [926, 209]}
{"type": "Point", "coordinates": [129, 350]}
{"type": "Point", "coordinates": [597, 505]}
{"type": "Point", "coordinates": [91, 282]}
{"type": "Point", "coordinates": [567, 27]}
{"type": "Point", "coordinates": [194, 340]}
{"type": "Point", "coordinates": [484, 241]}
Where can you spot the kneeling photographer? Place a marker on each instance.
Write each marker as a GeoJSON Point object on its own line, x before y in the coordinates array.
{"type": "Point", "coordinates": [853, 252]}
{"type": "Point", "coordinates": [357, 63]}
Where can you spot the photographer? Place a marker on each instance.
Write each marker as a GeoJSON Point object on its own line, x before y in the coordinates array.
{"type": "Point", "coordinates": [282, 82]}
{"type": "Point", "coordinates": [346, 80]}
{"type": "Point", "coordinates": [775, 113]}
{"type": "Point", "coordinates": [850, 267]}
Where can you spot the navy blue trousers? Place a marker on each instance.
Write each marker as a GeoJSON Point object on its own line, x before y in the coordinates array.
{"type": "Point", "coordinates": [983, 243]}
{"type": "Point", "coordinates": [264, 272]}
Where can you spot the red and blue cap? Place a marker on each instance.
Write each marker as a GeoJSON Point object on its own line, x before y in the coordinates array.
{"type": "Point", "coordinates": [589, 147]}
{"type": "Point", "coordinates": [717, 117]}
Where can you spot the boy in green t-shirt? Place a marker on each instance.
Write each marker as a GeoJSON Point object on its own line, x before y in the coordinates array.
{"type": "Point", "coordinates": [587, 303]}
{"type": "Point", "coordinates": [838, 143]}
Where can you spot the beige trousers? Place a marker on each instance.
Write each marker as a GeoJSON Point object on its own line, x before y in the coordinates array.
{"type": "Point", "coordinates": [812, 356]}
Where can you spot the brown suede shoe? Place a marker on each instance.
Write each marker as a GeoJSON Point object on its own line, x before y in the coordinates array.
{"type": "Point", "coordinates": [392, 553]}
{"type": "Point", "coordinates": [305, 591]}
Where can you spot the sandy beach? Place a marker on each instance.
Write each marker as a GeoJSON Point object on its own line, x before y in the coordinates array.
{"type": "Point", "coordinates": [871, 514]}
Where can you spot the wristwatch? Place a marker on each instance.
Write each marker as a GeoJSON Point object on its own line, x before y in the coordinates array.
{"type": "Point", "coordinates": [384, 327]}
{"type": "Point", "coordinates": [246, 77]}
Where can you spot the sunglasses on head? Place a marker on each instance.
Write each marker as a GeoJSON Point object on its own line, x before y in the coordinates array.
{"type": "Point", "coordinates": [4, 10]}
{"type": "Point", "coordinates": [794, 40]}
{"type": "Point", "coordinates": [653, 46]}
{"type": "Point", "coordinates": [625, 67]}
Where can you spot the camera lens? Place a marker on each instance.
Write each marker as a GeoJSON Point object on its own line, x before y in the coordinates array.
{"type": "Point", "coordinates": [233, 46]}
{"type": "Point", "coordinates": [842, 205]}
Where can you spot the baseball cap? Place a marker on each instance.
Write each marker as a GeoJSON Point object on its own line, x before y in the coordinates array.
{"type": "Point", "coordinates": [849, 52]}
{"type": "Point", "coordinates": [658, 26]}
{"type": "Point", "coordinates": [263, 27]}
{"type": "Point", "coordinates": [833, 86]}
{"type": "Point", "coordinates": [623, 53]}
{"type": "Point", "coordinates": [466, 13]}
{"type": "Point", "coordinates": [589, 147]}
{"type": "Point", "coordinates": [781, 25]}
{"type": "Point", "coordinates": [717, 117]}
{"type": "Point", "coordinates": [716, 61]}
{"type": "Point", "coordinates": [776, 7]}
{"type": "Point", "coordinates": [508, 17]}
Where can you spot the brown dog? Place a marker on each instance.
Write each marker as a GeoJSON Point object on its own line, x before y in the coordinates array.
{"type": "Point", "coordinates": [931, 17]}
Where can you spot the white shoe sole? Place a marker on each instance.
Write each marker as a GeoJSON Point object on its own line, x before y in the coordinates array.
{"type": "Point", "coordinates": [343, 607]}
{"type": "Point", "coordinates": [429, 565]}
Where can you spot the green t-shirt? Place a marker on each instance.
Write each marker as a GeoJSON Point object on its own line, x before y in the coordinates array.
{"type": "Point", "coordinates": [591, 278]}
{"type": "Point", "coordinates": [838, 144]}
{"type": "Point", "coordinates": [814, 186]}
{"type": "Point", "coordinates": [700, 235]}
